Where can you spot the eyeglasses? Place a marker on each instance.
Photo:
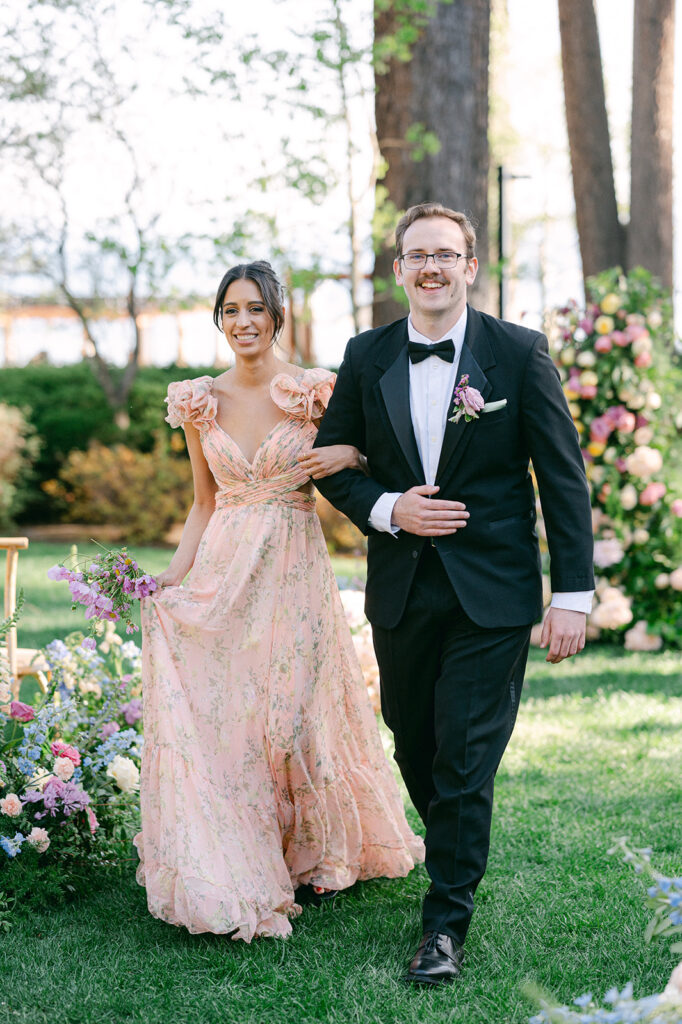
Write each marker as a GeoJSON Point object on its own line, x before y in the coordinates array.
{"type": "Point", "coordinates": [418, 260]}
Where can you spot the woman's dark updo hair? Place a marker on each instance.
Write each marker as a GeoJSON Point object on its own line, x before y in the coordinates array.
{"type": "Point", "coordinates": [265, 278]}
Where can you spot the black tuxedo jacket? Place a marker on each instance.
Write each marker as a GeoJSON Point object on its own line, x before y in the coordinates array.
{"type": "Point", "coordinates": [494, 562]}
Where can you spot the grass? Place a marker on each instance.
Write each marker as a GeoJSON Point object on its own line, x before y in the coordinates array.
{"type": "Point", "coordinates": [595, 755]}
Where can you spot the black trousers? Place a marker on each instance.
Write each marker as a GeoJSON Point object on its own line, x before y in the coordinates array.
{"type": "Point", "coordinates": [449, 693]}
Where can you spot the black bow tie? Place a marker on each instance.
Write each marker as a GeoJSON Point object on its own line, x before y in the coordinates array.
{"type": "Point", "coordinates": [444, 350]}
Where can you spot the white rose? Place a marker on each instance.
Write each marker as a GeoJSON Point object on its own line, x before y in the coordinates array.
{"type": "Point", "coordinates": [662, 581]}
{"type": "Point", "coordinates": [63, 768]}
{"type": "Point", "coordinates": [676, 579]}
{"type": "Point", "coordinates": [586, 358]}
{"type": "Point", "coordinates": [640, 536]}
{"type": "Point", "coordinates": [653, 400]}
{"type": "Point", "coordinates": [642, 344]}
{"type": "Point", "coordinates": [125, 774]}
{"type": "Point", "coordinates": [628, 497]}
{"type": "Point", "coordinates": [607, 552]}
{"type": "Point", "coordinates": [644, 461]}
{"type": "Point", "coordinates": [643, 435]}
{"type": "Point", "coordinates": [654, 319]}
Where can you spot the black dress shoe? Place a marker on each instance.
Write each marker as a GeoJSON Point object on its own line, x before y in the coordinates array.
{"type": "Point", "coordinates": [305, 894]}
{"type": "Point", "coordinates": [437, 961]}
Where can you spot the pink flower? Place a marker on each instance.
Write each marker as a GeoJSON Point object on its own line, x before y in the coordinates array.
{"type": "Point", "coordinates": [92, 820]}
{"type": "Point", "coordinates": [11, 805]}
{"type": "Point", "coordinates": [676, 508]}
{"type": "Point", "coordinates": [652, 493]}
{"type": "Point", "coordinates": [89, 643]}
{"type": "Point", "coordinates": [467, 401]}
{"type": "Point", "coordinates": [603, 343]}
{"type": "Point", "coordinates": [63, 768]}
{"type": "Point", "coordinates": [21, 712]}
{"type": "Point", "coordinates": [637, 639]}
{"type": "Point", "coordinates": [39, 838]}
{"type": "Point", "coordinates": [58, 572]}
{"type": "Point", "coordinates": [588, 391]}
{"type": "Point", "coordinates": [108, 729]}
{"type": "Point", "coordinates": [600, 428]}
{"type": "Point", "coordinates": [635, 331]}
{"type": "Point", "coordinates": [61, 749]}
{"type": "Point", "coordinates": [587, 325]}
{"type": "Point", "coordinates": [132, 711]}
{"type": "Point", "coordinates": [643, 360]}
{"type": "Point", "coordinates": [620, 339]}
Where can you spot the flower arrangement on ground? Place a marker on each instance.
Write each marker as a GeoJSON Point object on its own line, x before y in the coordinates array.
{"type": "Point", "coordinates": [106, 587]}
{"type": "Point", "coordinates": [69, 768]}
{"type": "Point", "coordinates": [613, 359]}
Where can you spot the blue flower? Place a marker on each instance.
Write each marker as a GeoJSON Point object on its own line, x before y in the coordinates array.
{"type": "Point", "coordinates": [12, 846]}
{"type": "Point", "coordinates": [676, 917]}
{"type": "Point", "coordinates": [583, 1000]}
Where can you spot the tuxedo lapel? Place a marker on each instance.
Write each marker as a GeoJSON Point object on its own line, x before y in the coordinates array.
{"type": "Point", "coordinates": [475, 348]}
{"type": "Point", "coordinates": [394, 386]}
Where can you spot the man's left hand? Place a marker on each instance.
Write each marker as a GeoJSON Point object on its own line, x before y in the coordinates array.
{"type": "Point", "coordinates": [564, 631]}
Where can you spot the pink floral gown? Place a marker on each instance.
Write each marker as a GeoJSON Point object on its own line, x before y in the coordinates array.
{"type": "Point", "coordinates": [263, 768]}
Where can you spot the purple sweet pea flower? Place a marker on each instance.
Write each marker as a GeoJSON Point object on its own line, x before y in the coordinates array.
{"type": "Point", "coordinates": [89, 643]}
{"type": "Point", "coordinates": [108, 729]}
{"type": "Point", "coordinates": [132, 711]}
{"type": "Point", "coordinates": [58, 572]}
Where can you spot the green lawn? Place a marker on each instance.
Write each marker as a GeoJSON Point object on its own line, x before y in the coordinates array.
{"type": "Point", "coordinates": [596, 755]}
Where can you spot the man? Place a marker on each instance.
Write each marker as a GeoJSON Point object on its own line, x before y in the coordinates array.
{"type": "Point", "coordinates": [453, 565]}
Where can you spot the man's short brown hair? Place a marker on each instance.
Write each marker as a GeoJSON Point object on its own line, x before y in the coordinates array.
{"type": "Point", "coordinates": [435, 210]}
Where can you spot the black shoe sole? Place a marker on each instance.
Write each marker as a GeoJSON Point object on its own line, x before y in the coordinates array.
{"type": "Point", "coordinates": [426, 981]}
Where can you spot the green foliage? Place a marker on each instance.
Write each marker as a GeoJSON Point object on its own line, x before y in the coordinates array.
{"type": "Point", "coordinates": [410, 17]}
{"type": "Point", "coordinates": [144, 493]}
{"type": "Point", "coordinates": [623, 390]}
{"type": "Point", "coordinates": [19, 448]}
{"type": "Point", "coordinates": [67, 409]}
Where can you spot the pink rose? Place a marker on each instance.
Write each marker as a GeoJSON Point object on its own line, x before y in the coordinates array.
{"type": "Point", "coordinates": [676, 508]}
{"type": "Point", "coordinates": [61, 749]}
{"type": "Point", "coordinates": [619, 338]}
{"type": "Point", "coordinates": [600, 428]}
{"type": "Point", "coordinates": [635, 331]}
{"type": "Point", "coordinates": [21, 712]}
{"type": "Point", "coordinates": [652, 493]}
{"type": "Point", "coordinates": [472, 400]}
{"type": "Point", "coordinates": [92, 820]}
{"type": "Point", "coordinates": [588, 391]}
{"type": "Point", "coordinates": [39, 838]}
{"type": "Point", "coordinates": [603, 344]}
{"type": "Point", "coordinates": [11, 805]}
{"type": "Point", "coordinates": [643, 360]}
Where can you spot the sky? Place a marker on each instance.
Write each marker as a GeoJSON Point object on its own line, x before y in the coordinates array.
{"type": "Point", "coordinates": [195, 175]}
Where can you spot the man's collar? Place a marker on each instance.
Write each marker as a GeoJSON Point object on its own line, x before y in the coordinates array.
{"type": "Point", "coordinates": [456, 332]}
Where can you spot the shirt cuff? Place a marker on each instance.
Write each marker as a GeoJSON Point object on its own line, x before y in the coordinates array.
{"type": "Point", "coordinates": [380, 516]}
{"type": "Point", "coordinates": [574, 601]}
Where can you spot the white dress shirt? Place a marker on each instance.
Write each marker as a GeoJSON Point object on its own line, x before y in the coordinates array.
{"type": "Point", "coordinates": [432, 382]}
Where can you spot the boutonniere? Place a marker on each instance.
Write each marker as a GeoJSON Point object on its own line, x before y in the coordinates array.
{"type": "Point", "coordinates": [467, 402]}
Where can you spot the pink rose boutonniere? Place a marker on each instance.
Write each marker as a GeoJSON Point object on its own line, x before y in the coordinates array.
{"type": "Point", "coordinates": [468, 401]}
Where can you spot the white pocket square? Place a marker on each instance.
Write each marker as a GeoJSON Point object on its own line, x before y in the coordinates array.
{"type": "Point", "coordinates": [492, 406]}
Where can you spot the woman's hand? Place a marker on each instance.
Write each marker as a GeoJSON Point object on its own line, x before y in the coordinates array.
{"type": "Point", "coordinates": [168, 578]}
{"type": "Point", "coordinates": [321, 462]}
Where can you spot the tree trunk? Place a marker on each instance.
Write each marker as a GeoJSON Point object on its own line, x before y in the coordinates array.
{"type": "Point", "coordinates": [650, 234]}
{"type": "Point", "coordinates": [601, 236]}
{"type": "Point", "coordinates": [442, 89]}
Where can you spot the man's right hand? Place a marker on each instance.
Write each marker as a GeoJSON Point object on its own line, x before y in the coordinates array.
{"type": "Point", "coordinates": [417, 512]}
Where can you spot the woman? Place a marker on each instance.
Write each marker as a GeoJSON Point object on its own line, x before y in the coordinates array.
{"type": "Point", "coordinates": [263, 769]}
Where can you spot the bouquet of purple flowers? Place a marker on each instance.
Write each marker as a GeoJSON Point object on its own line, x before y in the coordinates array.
{"type": "Point", "coordinates": [106, 586]}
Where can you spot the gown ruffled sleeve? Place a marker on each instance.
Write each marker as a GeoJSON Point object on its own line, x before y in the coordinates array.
{"type": "Point", "coordinates": [191, 401]}
{"type": "Point", "coordinates": [305, 397]}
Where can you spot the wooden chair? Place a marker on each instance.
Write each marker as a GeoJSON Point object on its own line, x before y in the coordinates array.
{"type": "Point", "coordinates": [23, 661]}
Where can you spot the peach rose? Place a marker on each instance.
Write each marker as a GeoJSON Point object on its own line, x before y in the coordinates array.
{"type": "Point", "coordinates": [603, 344]}
{"type": "Point", "coordinates": [39, 838]}
{"type": "Point", "coordinates": [63, 768]}
{"type": "Point", "coordinates": [644, 461]}
{"type": "Point", "coordinates": [676, 578]}
{"type": "Point", "coordinates": [637, 639]}
{"type": "Point", "coordinates": [11, 805]}
{"type": "Point", "coordinates": [652, 493]}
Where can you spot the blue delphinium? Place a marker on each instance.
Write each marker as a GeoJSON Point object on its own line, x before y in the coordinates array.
{"type": "Point", "coordinates": [12, 846]}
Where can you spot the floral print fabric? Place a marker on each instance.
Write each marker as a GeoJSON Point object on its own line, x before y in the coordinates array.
{"type": "Point", "coordinates": [263, 768]}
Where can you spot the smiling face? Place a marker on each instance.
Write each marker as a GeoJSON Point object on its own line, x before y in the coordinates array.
{"type": "Point", "coordinates": [247, 325]}
{"type": "Point", "coordinates": [437, 295]}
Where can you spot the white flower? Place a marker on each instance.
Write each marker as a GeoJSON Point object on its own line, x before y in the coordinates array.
{"type": "Point", "coordinates": [629, 497]}
{"type": "Point", "coordinates": [644, 461]}
{"type": "Point", "coordinates": [673, 990]}
{"type": "Point", "coordinates": [586, 358]}
{"type": "Point", "coordinates": [63, 768]}
{"type": "Point", "coordinates": [640, 536]}
{"type": "Point", "coordinates": [662, 581]}
{"type": "Point", "coordinates": [125, 774]}
{"type": "Point", "coordinates": [612, 611]}
{"type": "Point", "coordinates": [653, 400]}
{"type": "Point", "coordinates": [643, 435]}
{"type": "Point", "coordinates": [676, 579]}
{"type": "Point", "coordinates": [607, 552]}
